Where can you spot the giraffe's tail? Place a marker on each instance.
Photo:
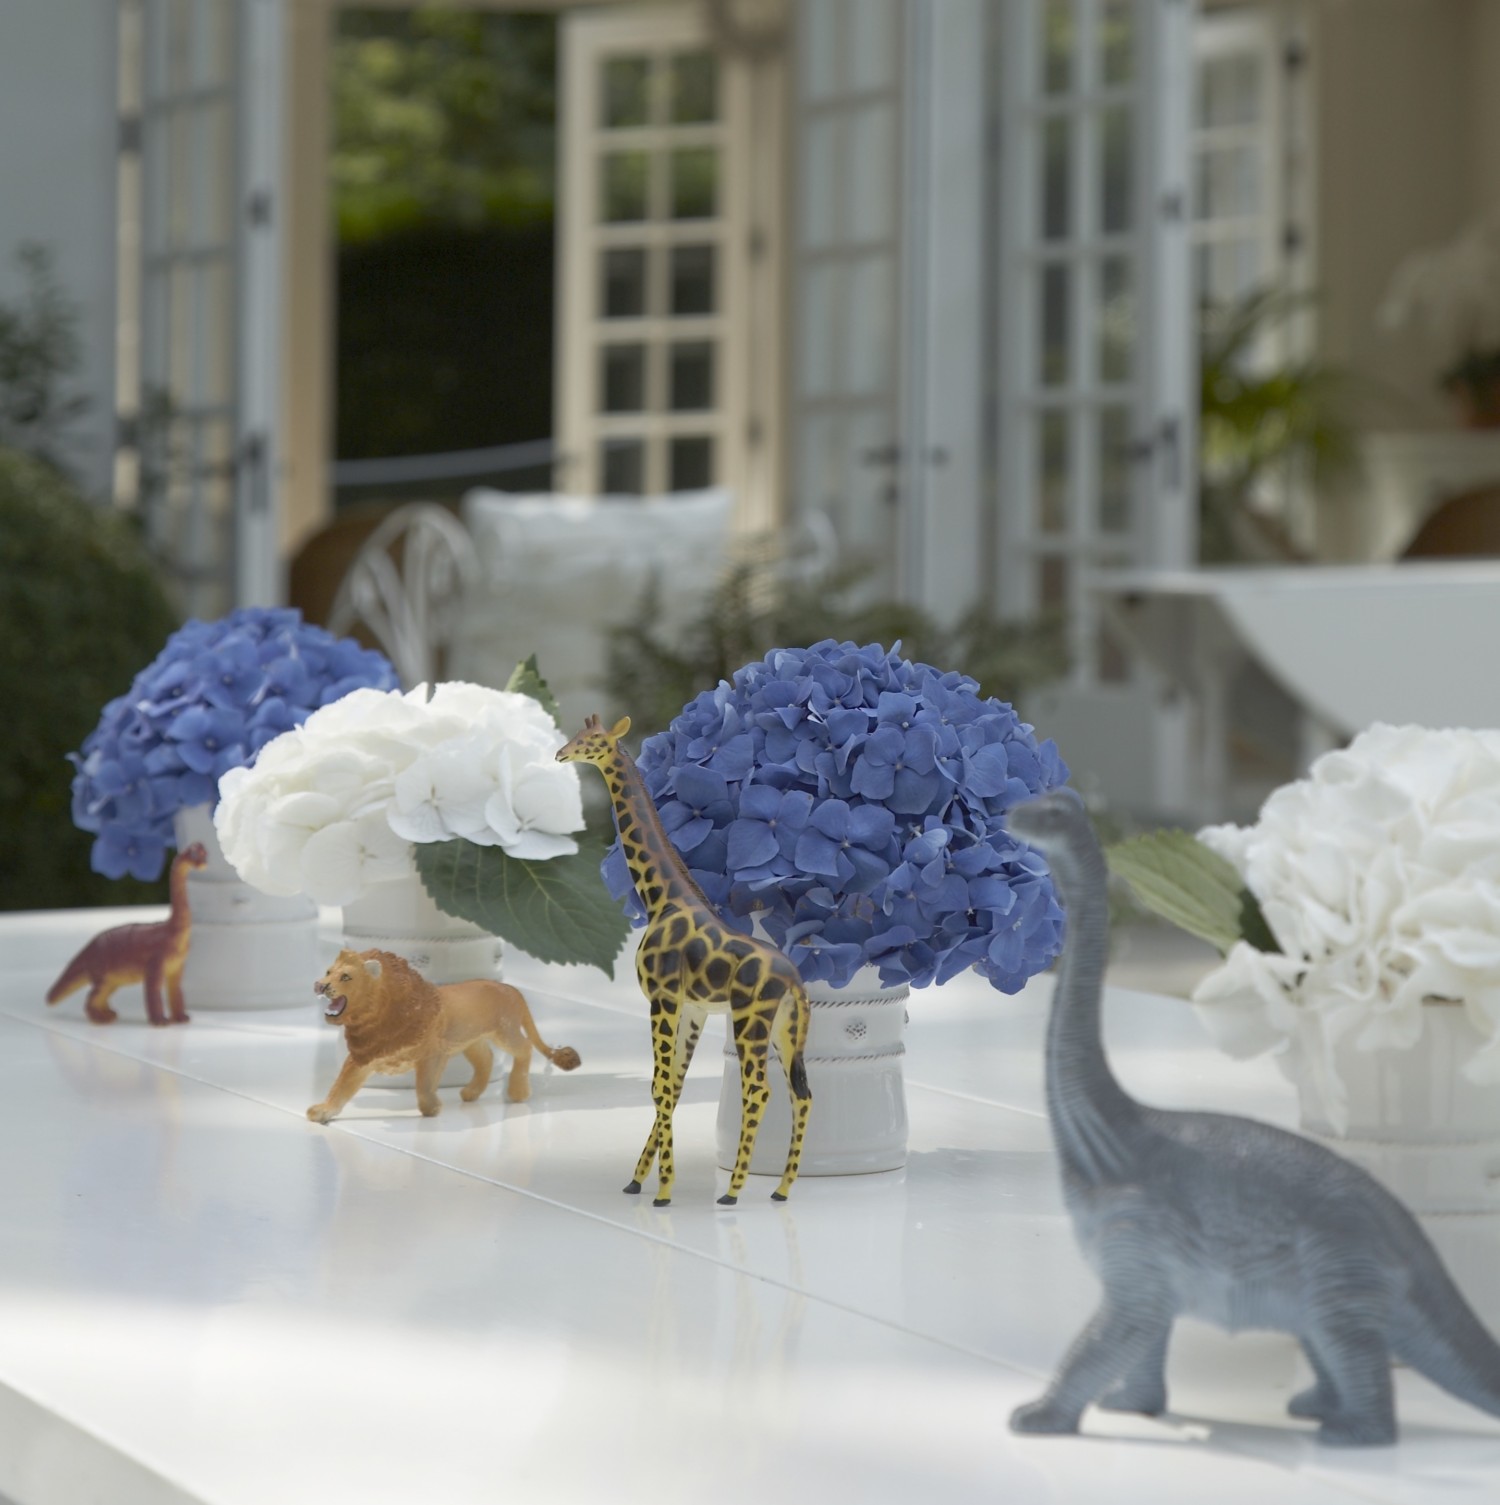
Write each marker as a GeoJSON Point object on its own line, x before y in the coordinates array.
{"type": "Point", "coordinates": [796, 1074]}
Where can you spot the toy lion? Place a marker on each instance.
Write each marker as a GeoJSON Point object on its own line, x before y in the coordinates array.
{"type": "Point", "coordinates": [395, 1020]}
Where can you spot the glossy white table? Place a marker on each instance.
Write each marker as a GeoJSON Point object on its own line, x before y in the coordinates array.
{"type": "Point", "coordinates": [204, 1297]}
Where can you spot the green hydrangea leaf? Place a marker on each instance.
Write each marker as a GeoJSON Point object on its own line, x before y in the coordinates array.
{"type": "Point", "coordinates": [557, 911]}
{"type": "Point", "coordinates": [526, 679]}
{"type": "Point", "coordinates": [1175, 876]}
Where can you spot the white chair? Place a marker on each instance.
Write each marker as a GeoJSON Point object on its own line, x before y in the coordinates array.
{"type": "Point", "coordinates": [410, 584]}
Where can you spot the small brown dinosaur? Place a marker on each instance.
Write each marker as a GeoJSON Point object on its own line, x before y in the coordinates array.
{"type": "Point", "coordinates": [147, 954]}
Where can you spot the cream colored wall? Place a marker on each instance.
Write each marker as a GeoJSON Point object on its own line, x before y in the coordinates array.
{"type": "Point", "coordinates": [307, 393]}
{"type": "Point", "coordinates": [1406, 93]}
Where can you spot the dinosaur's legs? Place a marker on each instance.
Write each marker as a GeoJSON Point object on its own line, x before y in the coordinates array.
{"type": "Point", "coordinates": [482, 1058]}
{"type": "Point", "coordinates": [1124, 1336]}
{"type": "Point", "coordinates": [1144, 1390]}
{"type": "Point", "coordinates": [152, 986]}
{"type": "Point", "coordinates": [1320, 1399]}
{"type": "Point", "coordinates": [1354, 1355]}
{"type": "Point", "coordinates": [96, 1006]}
{"type": "Point", "coordinates": [173, 973]}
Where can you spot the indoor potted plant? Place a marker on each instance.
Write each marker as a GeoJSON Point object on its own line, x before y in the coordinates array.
{"type": "Point", "coordinates": [851, 805]}
{"type": "Point", "coordinates": [1451, 292]}
{"type": "Point", "coordinates": [147, 779]}
{"type": "Point", "coordinates": [1359, 919]}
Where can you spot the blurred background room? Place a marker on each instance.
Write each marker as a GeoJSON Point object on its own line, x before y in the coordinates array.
{"type": "Point", "coordinates": [1137, 357]}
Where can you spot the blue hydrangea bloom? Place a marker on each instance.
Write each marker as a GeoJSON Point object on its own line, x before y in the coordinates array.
{"type": "Point", "coordinates": [212, 698]}
{"type": "Point", "coordinates": [855, 802]}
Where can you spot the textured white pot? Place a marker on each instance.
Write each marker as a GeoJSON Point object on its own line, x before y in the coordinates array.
{"type": "Point", "coordinates": [854, 1055]}
{"type": "Point", "coordinates": [1416, 1122]}
{"type": "Point", "coordinates": [249, 950]}
{"type": "Point", "coordinates": [399, 915]}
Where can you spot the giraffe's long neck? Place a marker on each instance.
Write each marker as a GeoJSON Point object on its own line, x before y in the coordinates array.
{"type": "Point", "coordinates": [181, 916]}
{"type": "Point", "coordinates": [1091, 1113]}
{"type": "Point", "coordinates": [660, 875]}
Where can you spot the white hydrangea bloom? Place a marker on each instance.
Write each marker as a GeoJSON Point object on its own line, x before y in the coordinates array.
{"type": "Point", "coordinates": [1379, 877]}
{"type": "Point", "coordinates": [332, 805]}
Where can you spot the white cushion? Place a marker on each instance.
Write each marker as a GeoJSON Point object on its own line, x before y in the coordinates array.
{"type": "Point", "coordinates": [556, 572]}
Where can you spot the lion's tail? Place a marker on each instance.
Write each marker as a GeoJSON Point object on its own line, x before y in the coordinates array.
{"type": "Point", "coordinates": [565, 1058]}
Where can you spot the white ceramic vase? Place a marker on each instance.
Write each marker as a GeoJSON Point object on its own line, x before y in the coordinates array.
{"type": "Point", "coordinates": [854, 1056]}
{"type": "Point", "coordinates": [1416, 1122]}
{"type": "Point", "coordinates": [399, 915]}
{"type": "Point", "coordinates": [249, 950]}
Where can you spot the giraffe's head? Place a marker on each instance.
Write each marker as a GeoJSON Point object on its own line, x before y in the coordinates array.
{"type": "Point", "coordinates": [594, 744]}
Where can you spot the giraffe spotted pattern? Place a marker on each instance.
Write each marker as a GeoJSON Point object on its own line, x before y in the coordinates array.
{"type": "Point", "coordinates": [690, 964]}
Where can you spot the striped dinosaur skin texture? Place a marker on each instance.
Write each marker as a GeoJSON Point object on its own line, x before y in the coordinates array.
{"type": "Point", "coordinates": [149, 954]}
{"type": "Point", "coordinates": [690, 964]}
{"type": "Point", "coordinates": [1224, 1219]}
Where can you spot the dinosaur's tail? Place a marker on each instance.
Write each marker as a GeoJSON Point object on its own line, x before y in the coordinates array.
{"type": "Point", "coordinates": [74, 976]}
{"type": "Point", "coordinates": [1437, 1333]}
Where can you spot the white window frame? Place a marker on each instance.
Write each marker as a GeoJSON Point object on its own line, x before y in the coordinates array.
{"type": "Point", "coordinates": [744, 231]}
{"type": "Point", "coordinates": [200, 290]}
{"type": "Point", "coordinates": [1161, 390]}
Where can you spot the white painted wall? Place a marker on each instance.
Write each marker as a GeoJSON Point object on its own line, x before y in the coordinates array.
{"type": "Point", "coordinates": [57, 184]}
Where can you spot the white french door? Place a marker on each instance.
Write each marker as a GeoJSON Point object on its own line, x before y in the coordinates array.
{"type": "Point", "coordinates": [200, 176]}
{"type": "Point", "coordinates": [1098, 378]}
{"type": "Point", "coordinates": [850, 451]}
{"type": "Point", "coordinates": [669, 312]}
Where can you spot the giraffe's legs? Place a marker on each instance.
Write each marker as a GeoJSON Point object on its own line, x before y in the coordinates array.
{"type": "Point", "coordinates": [751, 1024]}
{"type": "Point", "coordinates": [665, 1011]}
{"type": "Point", "coordinates": [790, 1034]}
{"type": "Point", "coordinates": [684, 1040]}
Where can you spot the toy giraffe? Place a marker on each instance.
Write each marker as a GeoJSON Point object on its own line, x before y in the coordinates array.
{"type": "Point", "coordinates": [690, 964]}
{"type": "Point", "coordinates": [149, 954]}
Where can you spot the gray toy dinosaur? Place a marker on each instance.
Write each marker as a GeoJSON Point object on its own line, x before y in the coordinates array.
{"type": "Point", "coordinates": [1225, 1219]}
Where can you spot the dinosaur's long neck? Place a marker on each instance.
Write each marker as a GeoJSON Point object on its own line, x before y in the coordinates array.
{"type": "Point", "coordinates": [661, 876]}
{"type": "Point", "coordinates": [1091, 1113]}
{"type": "Point", "coordinates": [181, 916]}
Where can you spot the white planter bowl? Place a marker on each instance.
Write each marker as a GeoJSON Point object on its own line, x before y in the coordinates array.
{"type": "Point", "coordinates": [854, 1056]}
{"type": "Point", "coordinates": [249, 950]}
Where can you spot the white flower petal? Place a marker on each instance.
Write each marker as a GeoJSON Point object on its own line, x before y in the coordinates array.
{"type": "Point", "coordinates": [333, 864]}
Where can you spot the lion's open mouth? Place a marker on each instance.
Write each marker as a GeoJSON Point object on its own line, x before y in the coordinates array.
{"type": "Point", "coordinates": [335, 1007]}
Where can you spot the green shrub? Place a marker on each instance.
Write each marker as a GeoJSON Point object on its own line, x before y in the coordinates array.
{"type": "Point", "coordinates": [81, 611]}
{"type": "Point", "coordinates": [756, 606]}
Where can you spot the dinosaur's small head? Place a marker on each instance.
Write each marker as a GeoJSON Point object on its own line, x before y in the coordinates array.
{"type": "Point", "coordinates": [1056, 821]}
{"type": "Point", "coordinates": [594, 744]}
{"type": "Point", "coordinates": [193, 856]}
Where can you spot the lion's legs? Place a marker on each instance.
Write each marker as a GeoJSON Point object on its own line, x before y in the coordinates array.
{"type": "Point", "coordinates": [349, 1080]}
{"type": "Point", "coordinates": [482, 1059]}
{"type": "Point", "coordinates": [518, 1087]}
{"type": "Point", "coordinates": [429, 1074]}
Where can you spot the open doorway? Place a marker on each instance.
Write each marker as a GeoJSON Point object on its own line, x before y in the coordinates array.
{"type": "Point", "coordinates": [443, 170]}
{"type": "Point", "coordinates": [441, 182]}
